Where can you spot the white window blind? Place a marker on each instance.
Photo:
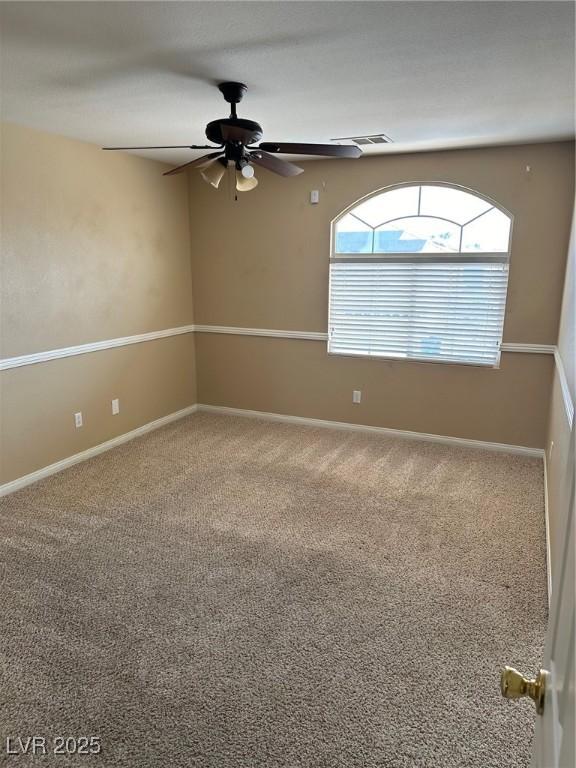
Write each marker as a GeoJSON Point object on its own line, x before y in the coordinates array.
{"type": "Point", "coordinates": [413, 291]}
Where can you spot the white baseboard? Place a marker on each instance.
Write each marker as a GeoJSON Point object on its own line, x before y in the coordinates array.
{"type": "Point", "coordinates": [503, 447]}
{"type": "Point", "coordinates": [547, 526]}
{"type": "Point", "coordinates": [33, 477]}
{"type": "Point", "coordinates": [40, 474]}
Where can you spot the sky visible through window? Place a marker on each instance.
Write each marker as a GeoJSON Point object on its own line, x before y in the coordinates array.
{"type": "Point", "coordinates": [423, 219]}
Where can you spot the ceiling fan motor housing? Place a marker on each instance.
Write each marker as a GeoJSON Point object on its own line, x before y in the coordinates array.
{"type": "Point", "coordinates": [249, 131]}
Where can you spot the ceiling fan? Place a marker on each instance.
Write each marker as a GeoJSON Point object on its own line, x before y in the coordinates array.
{"type": "Point", "coordinates": [236, 138]}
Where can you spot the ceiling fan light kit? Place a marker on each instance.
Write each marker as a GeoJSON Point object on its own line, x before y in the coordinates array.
{"type": "Point", "coordinates": [247, 170]}
{"type": "Point", "coordinates": [244, 184]}
{"type": "Point", "coordinates": [214, 172]}
{"type": "Point", "coordinates": [237, 138]}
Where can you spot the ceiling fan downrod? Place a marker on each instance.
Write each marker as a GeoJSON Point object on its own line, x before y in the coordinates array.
{"type": "Point", "coordinates": [233, 93]}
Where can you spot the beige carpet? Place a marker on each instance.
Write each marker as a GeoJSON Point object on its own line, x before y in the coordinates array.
{"type": "Point", "coordinates": [230, 592]}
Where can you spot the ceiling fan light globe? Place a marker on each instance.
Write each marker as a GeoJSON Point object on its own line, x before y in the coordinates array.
{"type": "Point", "coordinates": [243, 184]}
{"type": "Point", "coordinates": [247, 171]}
{"type": "Point", "coordinates": [213, 173]}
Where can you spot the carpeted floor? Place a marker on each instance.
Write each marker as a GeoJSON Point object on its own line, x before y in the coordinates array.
{"type": "Point", "coordinates": [226, 592]}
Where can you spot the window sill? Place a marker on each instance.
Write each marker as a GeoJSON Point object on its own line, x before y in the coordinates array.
{"type": "Point", "coordinates": [427, 361]}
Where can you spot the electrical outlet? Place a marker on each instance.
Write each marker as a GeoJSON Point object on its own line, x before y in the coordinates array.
{"type": "Point", "coordinates": [78, 419]}
{"type": "Point", "coordinates": [115, 406]}
{"type": "Point", "coordinates": [314, 196]}
{"type": "Point", "coordinates": [356, 396]}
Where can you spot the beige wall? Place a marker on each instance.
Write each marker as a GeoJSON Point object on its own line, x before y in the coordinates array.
{"type": "Point", "coordinates": [297, 377]}
{"type": "Point", "coordinates": [95, 245]}
{"type": "Point", "coordinates": [559, 434]}
{"type": "Point", "coordinates": [262, 262]}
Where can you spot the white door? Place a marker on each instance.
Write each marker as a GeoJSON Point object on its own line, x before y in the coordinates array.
{"type": "Point", "coordinates": [554, 738]}
{"type": "Point", "coordinates": [553, 687]}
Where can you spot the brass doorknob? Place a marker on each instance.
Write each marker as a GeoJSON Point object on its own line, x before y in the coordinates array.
{"type": "Point", "coordinates": [514, 686]}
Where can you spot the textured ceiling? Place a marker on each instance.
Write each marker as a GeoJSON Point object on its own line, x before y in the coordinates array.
{"type": "Point", "coordinates": [427, 74]}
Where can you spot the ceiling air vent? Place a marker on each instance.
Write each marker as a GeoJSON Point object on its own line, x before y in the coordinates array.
{"type": "Point", "coordinates": [378, 138]}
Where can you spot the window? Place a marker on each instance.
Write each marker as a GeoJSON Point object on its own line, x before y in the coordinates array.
{"type": "Point", "coordinates": [420, 272]}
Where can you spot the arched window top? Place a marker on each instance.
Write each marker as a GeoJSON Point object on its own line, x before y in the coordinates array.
{"type": "Point", "coordinates": [423, 218]}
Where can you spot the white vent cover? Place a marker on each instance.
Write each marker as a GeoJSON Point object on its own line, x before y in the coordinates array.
{"type": "Point", "coordinates": [377, 138]}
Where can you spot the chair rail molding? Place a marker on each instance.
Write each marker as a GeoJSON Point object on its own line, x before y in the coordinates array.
{"type": "Point", "coordinates": [275, 333]}
{"type": "Point", "coordinates": [531, 349]}
{"type": "Point", "coordinates": [566, 396]}
{"type": "Point", "coordinates": [94, 346]}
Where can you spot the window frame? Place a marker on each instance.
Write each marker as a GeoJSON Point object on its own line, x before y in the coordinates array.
{"type": "Point", "coordinates": [406, 257]}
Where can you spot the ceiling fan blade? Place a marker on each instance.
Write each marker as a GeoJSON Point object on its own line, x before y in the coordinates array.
{"type": "Point", "coordinates": [199, 161]}
{"type": "Point", "coordinates": [177, 146]}
{"type": "Point", "coordinates": [274, 164]}
{"type": "Point", "coordinates": [328, 150]}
